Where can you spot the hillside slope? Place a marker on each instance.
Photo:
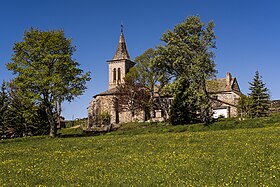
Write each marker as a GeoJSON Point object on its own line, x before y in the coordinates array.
{"type": "Point", "coordinates": [143, 158]}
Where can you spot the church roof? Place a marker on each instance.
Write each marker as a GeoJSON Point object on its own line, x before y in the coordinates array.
{"type": "Point", "coordinates": [121, 52]}
{"type": "Point", "coordinates": [112, 91]}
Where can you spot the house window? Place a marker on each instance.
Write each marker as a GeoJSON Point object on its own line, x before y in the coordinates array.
{"type": "Point", "coordinates": [158, 113]}
{"type": "Point", "coordinates": [119, 74]}
{"type": "Point", "coordinates": [114, 75]}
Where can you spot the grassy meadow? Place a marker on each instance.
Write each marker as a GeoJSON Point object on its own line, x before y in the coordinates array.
{"type": "Point", "coordinates": [228, 152]}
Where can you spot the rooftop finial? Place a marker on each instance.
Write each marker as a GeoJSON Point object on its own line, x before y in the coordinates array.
{"type": "Point", "coordinates": [121, 27]}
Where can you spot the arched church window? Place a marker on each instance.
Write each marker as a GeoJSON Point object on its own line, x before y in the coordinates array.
{"type": "Point", "coordinates": [119, 74]}
{"type": "Point", "coordinates": [114, 75]}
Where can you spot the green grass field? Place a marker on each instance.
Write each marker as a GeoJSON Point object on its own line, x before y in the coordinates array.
{"type": "Point", "coordinates": [229, 152]}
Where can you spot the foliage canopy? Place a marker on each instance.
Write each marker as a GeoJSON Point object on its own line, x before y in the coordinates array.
{"type": "Point", "coordinates": [45, 71]}
{"type": "Point", "coordinates": [187, 59]}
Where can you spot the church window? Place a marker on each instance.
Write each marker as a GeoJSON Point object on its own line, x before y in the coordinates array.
{"type": "Point", "coordinates": [119, 74]}
{"type": "Point", "coordinates": [114, 75]}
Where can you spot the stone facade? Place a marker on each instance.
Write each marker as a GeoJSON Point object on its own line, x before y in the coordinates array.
{"type": "Point", "coordinates": [117, 71]}
{"type": "Point", "coordinates": [224, 94]}
{"type": "Point", "coordinates": [274, 106]}
{"type": "Point", "coordinates": [106, 104]}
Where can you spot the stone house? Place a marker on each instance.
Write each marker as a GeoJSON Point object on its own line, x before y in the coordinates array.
{"type": "Point", "coordinates": [224, 93]}
{"type": "Point", "coordinates": [274, 106]}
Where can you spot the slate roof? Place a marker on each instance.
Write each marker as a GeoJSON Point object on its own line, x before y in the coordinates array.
{"type": "Point", "coordinates": [111, 91]}
{"type": "Point", "coordinates": [222, 85]}
{"type": "Point", "coordinates": [121, 52]}
{"type": "Point", "coordinates": [217, 85]}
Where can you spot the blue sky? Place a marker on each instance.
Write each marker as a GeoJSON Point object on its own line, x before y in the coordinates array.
{"type": "Point", "coordinates": [248, 35]}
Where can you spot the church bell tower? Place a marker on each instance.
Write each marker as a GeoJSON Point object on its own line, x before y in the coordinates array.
{"type": "Point", "coordinates": [120, 64]}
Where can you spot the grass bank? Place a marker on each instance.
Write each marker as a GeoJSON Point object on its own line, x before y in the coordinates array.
{"type": "Point", "coordinates": [149, 155]}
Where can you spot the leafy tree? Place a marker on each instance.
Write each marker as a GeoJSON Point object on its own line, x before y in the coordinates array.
{"type": "Point", "coordinates": [145, 74]}
{"type": "Point", "coordinates": [259, 97]}
{"type": "Point", "coordinates": [45, 71]}
{"type": "Point", "coordinates": [131, 96]}
{"type": "Point", "coordinates": [244, 106]}
{"type": "Point", "coordinates": [187, 59]}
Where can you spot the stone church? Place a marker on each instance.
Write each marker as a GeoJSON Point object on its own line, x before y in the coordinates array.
{"type": "Point", "coordinates": [224, 93]}
{"type": "Point", "coordinates": [104, 102]}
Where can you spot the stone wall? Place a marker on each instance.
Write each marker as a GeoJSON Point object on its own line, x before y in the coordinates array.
{"type": "Point", "coordinates": [231, 98]}
{"type": "Point", "coordinates": [124, 66]}
{"type": "Point", "coordinates": [105, 103]}
{"type": "Point", "coordinates": [102, 104]}
{"type": "Point", "coordinates": [126, 116]}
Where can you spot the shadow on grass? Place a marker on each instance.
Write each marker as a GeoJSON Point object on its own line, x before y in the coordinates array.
{"type": "Point", "coordinates": [149, 128]}
{"type": "Point", "coordinates": [73, 133]}
{"type": "Point", "coordinates": [86, 134]}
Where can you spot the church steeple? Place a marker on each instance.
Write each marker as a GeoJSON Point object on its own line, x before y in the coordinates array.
{"type": "Point", "coordinates": [121, 52]}
{"type": "Point", "coordinates": [120, 64]}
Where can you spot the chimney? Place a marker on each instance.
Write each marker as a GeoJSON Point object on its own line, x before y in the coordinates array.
{"type": "Point", "coordinates": [228, 79]}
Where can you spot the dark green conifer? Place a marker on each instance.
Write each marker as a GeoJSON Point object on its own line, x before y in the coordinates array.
{"type": "Point", "coordinates": [259, 97]}
{"type": "Point", "coordinates": [4, 106]}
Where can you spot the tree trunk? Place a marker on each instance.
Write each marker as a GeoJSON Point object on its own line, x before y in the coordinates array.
{"type": "Point", "coordinates": [53, 129]}
{"type": "Point", "coordinates": [53, 125]}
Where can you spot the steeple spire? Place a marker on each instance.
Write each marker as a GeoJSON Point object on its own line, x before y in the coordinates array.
{"type": "Point", "coordinates": [121, 52]}
{"type": "Point", "coordinates": [120, 65]}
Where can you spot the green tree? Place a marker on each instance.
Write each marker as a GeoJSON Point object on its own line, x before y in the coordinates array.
{"type": "Point", "coordinates": [183, 103]}
{"type": "Point", "coordinates": [27, 118]}
{"type": "Point", "coordinates": [18, 115]}
{"type": "Point", "coordinates": [132, 96]}
{"type": "Point", "coordinates": [244, 106]}
{"type": "Point", "coordinates": [11, 121]}
{"type": "Point", "coordinates": [45, 71]}
{"type": "Point", "coordinates": [4, 109]}
{"type": "Point", "coordinates": [259, 97]}
{"type": "Point", "coordinates": [145, 74]}
{"type": "Point", "coordinates": [187, 58]}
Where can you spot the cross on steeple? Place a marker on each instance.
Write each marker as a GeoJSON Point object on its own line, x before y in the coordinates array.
{"type": "Point", "coordinates": [121, 27]}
